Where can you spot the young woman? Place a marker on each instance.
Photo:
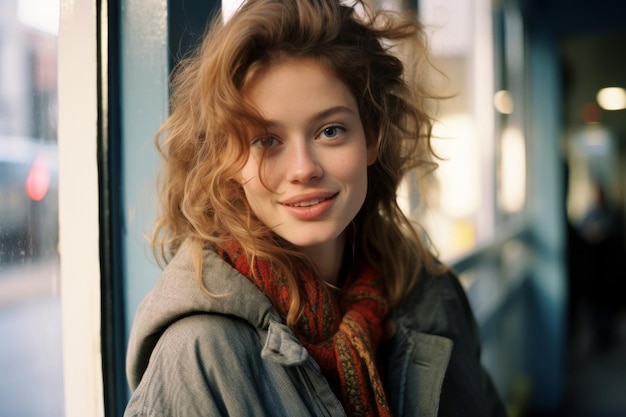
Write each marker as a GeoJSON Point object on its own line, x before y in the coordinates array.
{"type": "Point", "coordinates": [294, 285]}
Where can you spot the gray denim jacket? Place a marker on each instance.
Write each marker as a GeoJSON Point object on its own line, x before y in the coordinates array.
{"type": "Point", "coordinates": [231, 355]}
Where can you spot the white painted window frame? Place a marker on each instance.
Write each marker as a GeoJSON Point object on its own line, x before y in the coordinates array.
{"type": "Point", "coordinates": [78, 208]}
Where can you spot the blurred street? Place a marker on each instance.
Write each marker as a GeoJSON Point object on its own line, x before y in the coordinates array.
{"type": "Point", "coordinates": [30, 330]}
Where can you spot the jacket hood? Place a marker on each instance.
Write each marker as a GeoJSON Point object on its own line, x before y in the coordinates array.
{"type": "Point", "coordinates": [177, 294]}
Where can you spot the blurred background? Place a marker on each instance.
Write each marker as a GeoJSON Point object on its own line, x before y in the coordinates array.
{"type": "Point", "coordinates": [31, 378]}
{"type": "Point", "coordinates": [529, 204]}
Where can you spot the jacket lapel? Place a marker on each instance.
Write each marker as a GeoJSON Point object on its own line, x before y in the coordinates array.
{"type": "Point", "coordinates": [417, 364]}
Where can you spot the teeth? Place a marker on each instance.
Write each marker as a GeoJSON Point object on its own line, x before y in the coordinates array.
{"type": "Point", "coordinates": [308, 203]}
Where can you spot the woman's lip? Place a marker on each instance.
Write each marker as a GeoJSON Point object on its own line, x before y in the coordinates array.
{"type": "Point", "coordinates": [309, 199]}
{"type": "Point", "coordinates": [318, 208]}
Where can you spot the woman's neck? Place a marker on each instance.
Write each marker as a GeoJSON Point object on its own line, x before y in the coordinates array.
{"type": "Point", "coordinates": [327, 259]}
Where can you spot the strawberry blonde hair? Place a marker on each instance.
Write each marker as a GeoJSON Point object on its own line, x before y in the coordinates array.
{"type": "Point", "coordinates": [204, 142]}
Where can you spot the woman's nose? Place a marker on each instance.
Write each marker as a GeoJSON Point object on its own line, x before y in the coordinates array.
{"type": "Point", "coordinates": [303, 164]}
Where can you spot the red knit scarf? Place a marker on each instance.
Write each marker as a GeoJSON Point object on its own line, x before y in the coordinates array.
{"type": "Point", "coordinates": [341, 334]}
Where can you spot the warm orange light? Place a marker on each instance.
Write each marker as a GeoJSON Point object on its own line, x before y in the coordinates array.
{"type": "Point", "coordinates": [591, 113]}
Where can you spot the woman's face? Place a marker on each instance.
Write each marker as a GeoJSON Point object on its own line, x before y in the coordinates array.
{"type": "Point", "coordinates": [313, 159]}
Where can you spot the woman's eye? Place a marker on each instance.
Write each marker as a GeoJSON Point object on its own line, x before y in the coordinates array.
{"type": "Point", "coordinates": [332, 131]}
{"type": "Point", "coordinates": [265, 142]}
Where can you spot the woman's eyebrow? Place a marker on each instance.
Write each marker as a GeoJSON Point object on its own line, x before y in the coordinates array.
{"type": "Point", "coordinates": [331, 111]}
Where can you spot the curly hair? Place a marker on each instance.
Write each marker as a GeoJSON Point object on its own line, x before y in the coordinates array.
{"type": "Point", "coordinates": [204, 141]}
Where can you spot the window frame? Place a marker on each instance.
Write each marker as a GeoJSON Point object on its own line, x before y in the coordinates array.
{"type": "Point", "coordinates": [79, 233]}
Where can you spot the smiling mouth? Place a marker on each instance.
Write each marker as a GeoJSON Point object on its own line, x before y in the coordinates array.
{"type": "Point", "coordinates": [309, 203]}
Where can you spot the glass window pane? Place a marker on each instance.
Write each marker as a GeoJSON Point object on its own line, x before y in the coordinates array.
{"type": "Point", "coordinates": [30, 308]}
